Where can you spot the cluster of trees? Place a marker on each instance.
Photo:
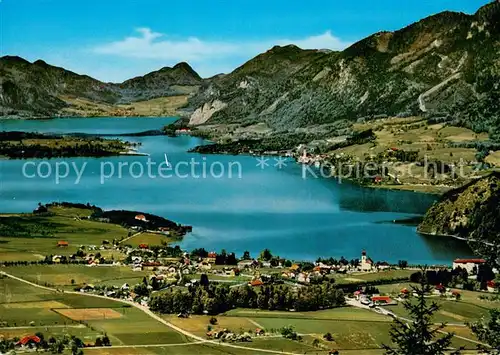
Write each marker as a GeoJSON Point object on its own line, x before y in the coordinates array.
{"type": "Point", "coordinates": [275, 142]}
{"type": "Point", "coordinates": [225, 258]}
{"type": "Point", "coordinates": [46, 261]}
{"type": "Point", "coordinates": [405, 156]}
{"type": "Point", "coordinates": [64, 204]}
{"type": "Point", "coordinates": [54, 345]}
{"type": "Point", "coordinates": [155, 251]}
{"type": "Point", "coordinates": [342, 261]}
{"type": "Point", "coordinates": [26, 227]}
{"type": "Point", "coordinates": [127, 218]}
{"type": "Point", "coordinates": [217, 298]}
{"type": "Point", "coordinates": [487, 331]}
{"type": "Point", "coordinates": [16, 147]}
{"type": "Point", "coordinates": [458, 276]}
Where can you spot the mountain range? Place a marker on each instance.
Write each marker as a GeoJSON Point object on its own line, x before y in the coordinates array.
{"type": "Point", "coordinates": [446, 66]}
{"type": "Point", "coordinates": [42, 90]}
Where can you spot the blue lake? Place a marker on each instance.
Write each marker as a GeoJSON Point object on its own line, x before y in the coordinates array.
{"type": "Point", "coordinates": [251, 209]}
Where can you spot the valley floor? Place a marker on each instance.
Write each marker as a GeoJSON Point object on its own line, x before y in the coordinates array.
{"type": "Point", "coordinates": [28, 307]}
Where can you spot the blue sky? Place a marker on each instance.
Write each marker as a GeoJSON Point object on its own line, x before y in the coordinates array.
{"type": "Point", "coordinates": [115, 40]}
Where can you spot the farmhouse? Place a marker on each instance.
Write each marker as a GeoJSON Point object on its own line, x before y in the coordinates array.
{"type": "Point", "coordinates": [382, 300]}
{"type": "Point", "coordinates": [62, 243]}
{"type": "Point", "coordinates": [470, 265]}
{"type": "Point", "coordinates": [164, 230]}
{"type": "Point", "coordinates": [492, 286]}
{"type": "Point", "coordinates": [56, 258]}
{"type": "Point", "coordinates": [211, 257]}
{"type": "Point", "coordinates": [151, 265]}
{"type": "Point", "coordinates": [141, 217]}
{"type": "Point", "coordinates": [28, 341]}
{"type": "Point", "coordinates": [247, 264]}
{"type": "Point", "coordinates": [303, 277]}
{"type": "Point", "coordinates": [256, 283]}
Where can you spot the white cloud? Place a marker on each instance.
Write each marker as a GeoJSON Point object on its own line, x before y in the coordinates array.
{"type": "Point", "coordinates": [148, 47]}
{"type": "Point", "coordinates": [323, 41]}
{"type": "Point", "coordinates": [157, 46]}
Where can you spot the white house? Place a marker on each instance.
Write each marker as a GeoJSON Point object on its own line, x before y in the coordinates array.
{"type": "Point", "coordinates": [366, 263]}
{"type": "Point", "coordinates": [246, 264]}
{"type": "Point", "coordinates": [303, 277]}
{"type": "Point", "coordinates": [468, 264]}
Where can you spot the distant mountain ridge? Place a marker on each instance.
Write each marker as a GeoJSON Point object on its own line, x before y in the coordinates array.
{"type": "Point", "coordinates": [38, 89]}
{"type": "Point", "coordinates": [446, 66]}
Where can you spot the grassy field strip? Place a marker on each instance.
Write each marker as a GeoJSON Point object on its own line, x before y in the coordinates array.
{"type": "Point", "coordinates": [445, 332]}
{"type": "Point", "coordinates": [144, 346]}
{"type": "Point", "coordinates": [133, 235]}
{"type": "Point", "coordinates": [255, 323]}
{"type": "Point", "coordinates": [318, 319]}
{"type": "Point", "coordinates": [152, 315]}
{"type": "Point", "coordinates": [63, 326]}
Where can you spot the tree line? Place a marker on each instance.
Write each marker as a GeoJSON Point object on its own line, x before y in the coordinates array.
{"type": "Point", "coordinates": [214, 298]}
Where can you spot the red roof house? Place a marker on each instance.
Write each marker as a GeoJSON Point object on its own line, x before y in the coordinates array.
{"type": "Point", "coordinates": [151, 263]}
{"type": "Point", "coordinates": [381, 299]}
{"type": "Point", "coordinates": [469, 261]}
{"type": "Point", "coordinates": [31, 339]}
{"type": "Point", "coordinates": [440, 287]}
{"type": "Point", "coordinates": [143, 246]}
{"type": "Point", "coordinates": [256, 283]}
{"type": "Point", "coordinates": [62, 243]}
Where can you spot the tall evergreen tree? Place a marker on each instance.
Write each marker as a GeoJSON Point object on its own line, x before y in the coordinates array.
{"type": "Point", "coordinates": [418, 336]}
{"type": "Point", "coordinates": [487, 330]}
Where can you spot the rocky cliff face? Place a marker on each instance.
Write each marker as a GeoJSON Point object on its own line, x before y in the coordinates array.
{"type": "Point", "coordinates": [471, 211]}
{"type": "Point", "coordinates": [39, 89]}
{"type": "Point", "coordinates": [447, 64]}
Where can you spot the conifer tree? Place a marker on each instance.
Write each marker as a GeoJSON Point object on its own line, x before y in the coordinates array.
{"type": "Point", "coordinates": [419, 336]}
{"type": "Point", "coordinates": [487, 330]}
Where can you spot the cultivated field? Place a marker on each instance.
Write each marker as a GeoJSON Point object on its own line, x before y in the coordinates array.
{"type": "Point", "coordinates": [87, 314]}
{"type": "Point", "coordinates": [27, 309]}
{"type": "Point", "coordinates": [435, 142]}
{"type": "Point", "coordinates": [372, 276]}
{"type": "Point", "coordinates": [149, 239]}
{"type": "Point", "coordinates": [26, 237]}
{"type": "Point", "coordinates": [163, 106]}
{"type": "Point", "coordinates": [59, 275]}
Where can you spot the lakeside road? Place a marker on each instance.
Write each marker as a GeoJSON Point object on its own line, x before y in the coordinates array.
{"type": "Point", "coordinates": [199, 340]}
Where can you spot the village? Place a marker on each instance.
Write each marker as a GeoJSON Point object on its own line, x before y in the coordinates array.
{"type": "Point", "coordinates": [172, 267]}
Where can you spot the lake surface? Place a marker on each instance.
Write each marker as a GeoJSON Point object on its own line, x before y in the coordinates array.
{"type": "Point", "coordinates": [241, 206]}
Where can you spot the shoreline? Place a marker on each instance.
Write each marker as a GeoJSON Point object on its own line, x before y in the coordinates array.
{"type": "Point", "coordinates": [417, 188]}
{"type": "Point", "coordinates": [437, 190]}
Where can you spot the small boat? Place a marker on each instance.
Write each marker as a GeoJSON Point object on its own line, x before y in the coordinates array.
{"type": "Point", "coordinates": [166, 160]}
